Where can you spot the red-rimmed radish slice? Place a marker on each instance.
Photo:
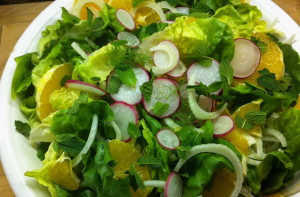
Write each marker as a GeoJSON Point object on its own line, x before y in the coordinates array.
{"type": "Point", "coordinates": [223, 125]}
{"type": "Point", "coordinates": [167, 139]}
{"type": "Point", "coordinates": [132, 95]}
{"type": "Point", "coordinates": [132, 40]}
{"type": "Point", "coordinates": [222, 150]}
{"type": "Point", "coordinates": [173, 186]}
{"type": "Point", "coordinates": [166, 57]}
{"type": "Point", "coordinates": [183, 10]}
{"type": "Point", "coordinates": [86, 87]}
{"type": "Point", "coordinates": [164, 91]}
{"type": "Point", "coordinates": [178, 71]}
{"type": "Point", "coordinates": [125, 19]}
{"type": "Point", "coordinates": [123, 114]}
{"type": "Point", "coordinates": [204, 74]}
{"type": "Point", "coordinates": [246, 58]}
{"type": "Point", "coordinates": [198, 112]}
{"type": "Point", "coordinates": [206, 103]}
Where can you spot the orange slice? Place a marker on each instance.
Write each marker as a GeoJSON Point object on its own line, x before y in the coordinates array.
{"type": "Point", "coordinates": [80, 7]}
{"type": "Point", "coordinates": [120, 4]}
{"type": "Point", "coordinates": [272, 59]}
{"type": "Point", "coordinates": [297, 106]}
{"type": "Point", "coordinates": [47, 85]}
{"type": "Point", "coordinates": [126, 155]}
{"type": "Point", "coordinates": [222, 184]}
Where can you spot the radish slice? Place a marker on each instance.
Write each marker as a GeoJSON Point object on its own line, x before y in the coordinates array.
{"type": "Point", "coordinates": [167, 139]}
{"type": "Point", "coordinates": [164, 91]}
{"type": "Point", "coordinates": [151, 5]}
{"type": "Point", "coordinates": [204, 74]}
{"type": "Point", "coordinates": [173, 186]}
{"type": "Point", "coordinates": [88, 143]}
{"type": "Point", "coordinates": [178, 71]}
{"type": "Point", "coordinates": [206, 103]}
{"type": "Point", "coordinates": [246, 58]}
{"type": "Point", "coordinates": [198, 112]}
{"type": "Point", "coordinates": [132, 95]}
{"type": "Point", "coordinates": [183, 10]}
{"type": "Point", "coordinates": [86, 87]}
{"type": "Point", "coordinates": [223, 125]}
{"type": "Point", "coordinates": [125, 19]}
{"type": "Point", "coordinates": [222, 150]}
{"type": "Point", "coordinates": [124, 114]}
{"type": "Point", "coordinates": [132, 40]}
{"type": "Point", "coordinates": [166, 57]}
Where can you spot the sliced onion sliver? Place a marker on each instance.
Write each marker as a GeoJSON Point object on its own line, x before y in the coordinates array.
{"type": "Point", "coordinates": [151, 5]}
{"type": "Point", "coordinates": [86, 87]}
{"type": "Point", "coordinates": [222, 150]}
{"type": "Point", "coordinates": [276, 134]}
{"type": "Point", "coordinates": [89, 141]}
{"type": "Point", "coordinates": [166, 5]}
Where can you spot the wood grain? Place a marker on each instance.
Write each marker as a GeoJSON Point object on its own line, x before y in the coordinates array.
{"type": "Point", "coordinates": [15, 18]}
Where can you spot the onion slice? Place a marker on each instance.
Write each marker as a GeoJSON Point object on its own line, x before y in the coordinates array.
{"type": "Point", "coordinates": [222, 150]}
{"type": "Point", "coordinates": [151, 5]}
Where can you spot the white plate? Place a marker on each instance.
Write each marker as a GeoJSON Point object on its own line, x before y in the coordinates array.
{"type": "Point", "coordinates": [17, 154]}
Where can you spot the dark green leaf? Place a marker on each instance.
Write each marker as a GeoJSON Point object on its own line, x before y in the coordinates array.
{"type": "Point", "coordinates": [160, 108]}
{"type": "Point", "coordinates": [261, 45]}
{"type": "Point", "coordinates": [22, 128]}
{"type": "Point", "coordinates": [64, 80]}
{"type": "Point", "coordinates": [127, 76]}
{"type": "Point", "coordinates": [133, 172]}
{"type": "Point", "coordinates": [136, 2]}
{"type": "Point", "coordinates": [146, 90]}
{"type": "Point", "coordinates": [134, 131]}
{"type": "Point", "coordinates": [242, 123]}
{"type": "Point", "coordinates": [256, 117]}
{"type": "Point", "coordinates": [150, 161]}
{"type": "Point", "coordinates": [83, 98]}
{"type": "Point", "coordinates": [69, 143]}
{"type": "Point", "coordinates": [114, 85]}
{"type": "Point", "coordinates": [268, 80]}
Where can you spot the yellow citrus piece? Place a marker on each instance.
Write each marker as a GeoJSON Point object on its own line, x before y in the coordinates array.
{"type": "Point", "coordinates": [274, 195]}
{"type": "Point", "coordinates": [145, 16]}
{"type": "Point", "coordinates": [80, 7]}
{"type": "Point", "coordinates": [240, 137]}
{"type": "Point", "coordinates": [222, 184]}
{"type": "Point", "coordinates": [120, 4]}
{"type": "Point", "coordinates": [47, 85]}
{"type": "Point", "coordinates": [62, 174]}
{"type": "Point", "coordinates": [272, 59]}
{"type": "Point", "coordinates": [297, 106]}
{"type": "Point", "coordinates": [126, 155]}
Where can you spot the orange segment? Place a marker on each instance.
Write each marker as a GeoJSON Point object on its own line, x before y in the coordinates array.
{"type": "Point", "coordinates": [145, 16]}
{"type": "Point", "coordinates": [222, 184]}
{"type": "Point", "coordinates": [274, 195]}
{"type": "Point", "coordinates": [126, 155]}
{"type": "Point", "coordinates": [80, 7]}
{"type": "Point", "coordinates": [297, 106]}
{"type": "Point", "coordinates": [272, 59]}
{"type": "Point", "coordinates": [47, 85]}
{"type": "Point", "coordinates": [117, 4]}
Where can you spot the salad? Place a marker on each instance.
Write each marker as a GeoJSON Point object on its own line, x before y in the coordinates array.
{"type": "Point", "coordinates": [162, 98]}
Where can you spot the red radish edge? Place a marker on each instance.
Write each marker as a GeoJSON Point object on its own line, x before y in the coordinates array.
{"type": "Point", "coordinates": [143, 100]}
{"type": "Point", "coordinates": [164, 144]}
{"type": "Point", "coordinates": [76, 82]}
{"type": "Point", "coordinates": [124, 20]}
{"type": "Point", "coordinates": [224, 125]}
{"type": "Point", "coordinates": [172, 190]}
{"type": "Point", "coordinates": [250, 53]}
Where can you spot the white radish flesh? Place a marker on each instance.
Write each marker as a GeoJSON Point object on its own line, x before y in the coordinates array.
{"type": "Point", "coordinates": [173, 186]}
{"type": "Point", "coordinates": [86, 87]}
{"type": "Point", "coordinates": [223, 125]}
{"type": "Point", "coordinates": [204, 74]}
{"type": "Point", "coordinates": [166, 57]}
{"type": "Point", "coordinates": [132, 40]}
{"type": "Point", "coordinates": [132, 95]}
{"type": "Point", "coordinates": [164, 91]}
{"type": "Point", "coordinates": [183, 10]}
{"type": "Point", "coordinates": [123, 115]}
{"type": "Point", "coordinates": [246, 58]}
{"type": "Point", "coordinates": [167, 139]}
{"type": "Point", "coordinates": [178, 71]}
{"type": "Point", "coordinates": [222, 150]}
{"type": "Point", "coordinates": [125, 19]}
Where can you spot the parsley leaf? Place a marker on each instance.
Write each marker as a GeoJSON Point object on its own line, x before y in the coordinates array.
{"type": "Point", "coordinates": [114, 85]}
{"type": "Point", "coordinates": [135, 179]}
{"type": "Point", "coordinates": [160, 108]}
{"type": "Point", "coordinates": [150, 161]}
{"type": "Point", "coordinates": [69, 143]}
{"type": "Point", "coordinates": [261, 45]}
{"type": "Point", "coordinates": [256, 117]}
{"type": "Point", "coordinates": [268, 80]}
{"type": "Point", "coordinates": [147, 88]}
{"type": "Point", "coordinates": [22, 128]}
{"type": "Point", "coordinates": [134, 131]}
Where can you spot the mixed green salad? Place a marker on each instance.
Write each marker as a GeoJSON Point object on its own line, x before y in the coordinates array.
{"type": "Point", "coordinates": [161, 98]}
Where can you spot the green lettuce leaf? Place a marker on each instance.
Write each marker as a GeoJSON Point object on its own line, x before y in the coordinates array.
{"type": "Point", "coordinates": [108, 14]}
{"type": "Point", "coordinates": [63, 98]}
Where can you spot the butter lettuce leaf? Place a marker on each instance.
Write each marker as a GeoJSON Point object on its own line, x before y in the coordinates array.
{"type": "Point", "coordinates": [189, 34]}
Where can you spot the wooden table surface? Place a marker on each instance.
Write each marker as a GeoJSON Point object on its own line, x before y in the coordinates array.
{"type": "Point", "coordinates": [15, 18]}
